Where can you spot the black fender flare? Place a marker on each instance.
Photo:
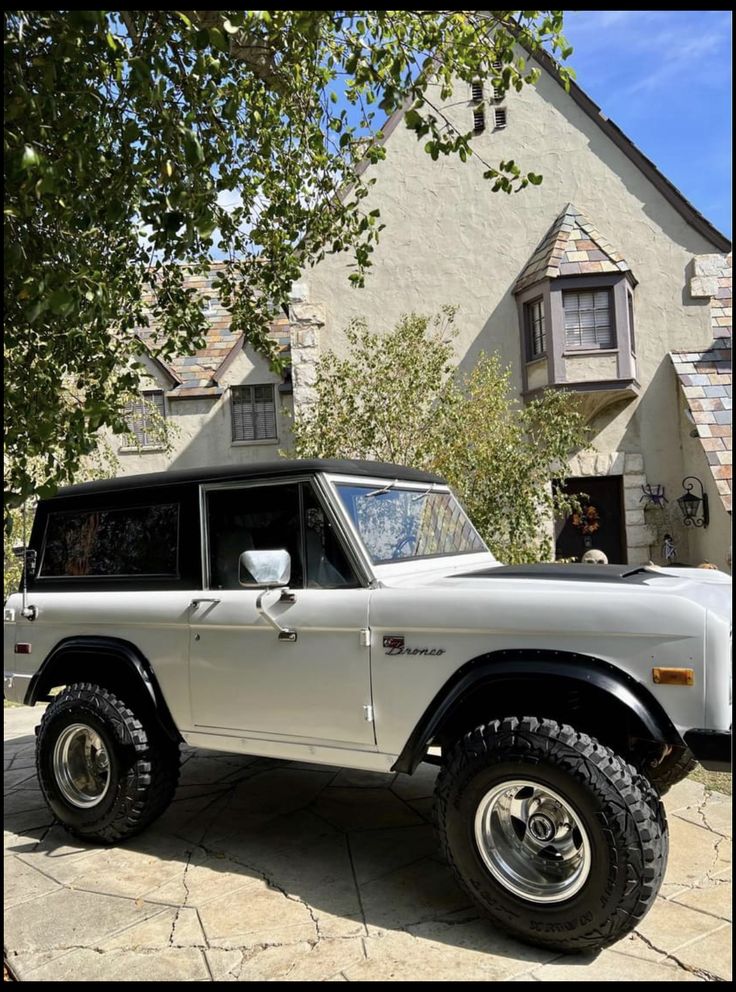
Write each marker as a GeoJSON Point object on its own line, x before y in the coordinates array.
{"type": "Point", "coordinates": [134, 660]}
{"type": "Point", "coordinates": [503, 666]}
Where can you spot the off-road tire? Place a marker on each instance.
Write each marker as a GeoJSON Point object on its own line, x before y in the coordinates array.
{"type": "Point", "coordinates": [618, 808]}
{"type": "Point", "coordinates": [143, 764]}
{"type": "Point", "coordinates": [676, 766]}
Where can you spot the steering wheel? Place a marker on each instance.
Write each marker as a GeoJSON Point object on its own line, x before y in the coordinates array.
{"type": "Point", "coordinates": [400, 546]}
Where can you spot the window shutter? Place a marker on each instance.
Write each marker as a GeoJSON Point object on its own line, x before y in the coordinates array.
{"type": "Point", "coordinates": [253, 413]}
{"type": "Point", "coordinates": [140, 418]}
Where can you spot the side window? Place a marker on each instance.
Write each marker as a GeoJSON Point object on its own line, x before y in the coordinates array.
{"type": "Point", "coordinates": [252, 518]}
{"type": "Point", "coordinates": [327, 564]}
{"type": "Point", "coordinates": [131, 541]}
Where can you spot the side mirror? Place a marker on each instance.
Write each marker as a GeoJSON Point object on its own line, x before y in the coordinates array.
{"type": "Point", "coordinates": [271, 569]}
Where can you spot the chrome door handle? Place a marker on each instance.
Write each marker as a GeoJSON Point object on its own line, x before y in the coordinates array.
{"type": "Point", "coordinates": [196, 602]}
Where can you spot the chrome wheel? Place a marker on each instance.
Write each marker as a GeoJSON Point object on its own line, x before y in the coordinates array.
{"type": "Point", "coordinates": [81, 765]}
{"type": "Point", "coordinates": [532, 841]}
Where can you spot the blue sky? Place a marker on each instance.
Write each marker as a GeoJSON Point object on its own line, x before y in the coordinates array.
{"type": "Point", "coordinates": [664, 77]}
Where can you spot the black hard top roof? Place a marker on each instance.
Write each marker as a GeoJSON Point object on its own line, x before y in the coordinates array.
{"type": "Point", "coordinates": [273, 469]}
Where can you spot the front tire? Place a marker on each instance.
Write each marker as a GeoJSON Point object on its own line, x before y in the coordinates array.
{"type": "Point", "coordinates": [105, 772]}
{"type": "Point", "coordinates": [557, 838]}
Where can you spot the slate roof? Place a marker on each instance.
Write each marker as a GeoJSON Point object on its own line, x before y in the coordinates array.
{"type": "Point", "coordinates": [572, 246]}
{"type": "Point", "coordinates": [706, 381]}
{"type": "Point", "coordinates": [201, 370]}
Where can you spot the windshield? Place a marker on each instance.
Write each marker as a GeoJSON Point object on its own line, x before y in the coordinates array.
{"type": "Point", "coordinates": [395, 523]}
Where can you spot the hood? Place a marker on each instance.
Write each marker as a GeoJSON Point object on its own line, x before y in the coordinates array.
{"type": "Point", "coordinates": [709, 588]}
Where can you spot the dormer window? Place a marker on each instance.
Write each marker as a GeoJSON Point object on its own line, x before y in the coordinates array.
{"type": "Point", "coordinates": [588, 319]}
{"type": "Point", "coordinates": [536, 343]}
{"type": "Point", "coordinates": [575, 299]}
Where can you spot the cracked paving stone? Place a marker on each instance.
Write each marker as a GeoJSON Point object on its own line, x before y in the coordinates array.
{"type": "Point", "coordinates": [171, 964]}
{"type": "Point", "coordinates": [17, 777]}
{"type": "Point", "coordinates": [636, 947]}
{"type": "Point", "coordinates": [364, 809]}
{"type": "Point", "coordinates": [436, 952]}
{"type": "Point", "coordinates": [378, 852]}
{"type": "Point", "coordinates": [213, 878]}
{"type": "Point", "coordinates": [70, 918]}
{"type": "Point", "coordinates": [301, 962]}
{"type": "Point", "coordinates": [258, 840]}
{"type": "Point", "coordinates": [683, 795]}
{"type": "Point", "coordinates": [359, 779]}
{"type": "Point", "coordinates": [187, 930]}
{"type": "Point", "coordinates": [610, 966]}
{"type": "Point", "coordinates": [57, 843]}
{"type": "Point", "coordinates": [714, 814]}
{"type": "Point", "coordinates": [716, 898]}
{"type": "Point", "coordinates": [23, 883]}
{"type": "Point", "coordinates": [204, 770]}
{"type": "Point", "coordinates": [711, 954]}
{"type": "Point", "coordinates": [24, 842]}
{"type": "Point", "coordinates": [255, 915]}
{"type": "Point", "coordinates": [669, 925]}
{"type": "Point", "coordinates": [421, 892]}
{"type": "Point", "coordinates": [695, 853]}
{"type": "Point", "coordinates": [130, 870]}
{"type": "Point", "coordinates": [148, 935]}
{"type": "Point", "coordinates": [224, 965]}
{"type": "Point", "coordinates": [420, 785]}
{"type": "Point", "coordinates": [31, 819]}
{"type": "Point", "coordinates": [278, 791]}
{"type": "Point", "coordinates": [24, 801]}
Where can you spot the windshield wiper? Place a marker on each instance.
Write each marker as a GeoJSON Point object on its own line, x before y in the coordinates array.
{"type": "Point", "coordinates": [414, 499]}
{"type": "Point", "coordinates": [379, 492]}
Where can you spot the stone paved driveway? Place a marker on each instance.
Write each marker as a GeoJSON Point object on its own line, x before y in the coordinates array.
{"type": "Point", "coordinates": [272, 870]}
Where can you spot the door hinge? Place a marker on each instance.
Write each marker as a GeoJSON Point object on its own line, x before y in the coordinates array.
{"type": "Point", "coordinates": [368, 713]}
{"type": "Point", "coordinates": [365, 637]}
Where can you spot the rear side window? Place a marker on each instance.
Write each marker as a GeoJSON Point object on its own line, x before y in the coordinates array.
{"type": "Point", "coordinates": [130, 541]}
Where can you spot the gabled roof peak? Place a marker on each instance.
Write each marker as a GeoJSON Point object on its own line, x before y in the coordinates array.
{"type": "Point", "coordinates": [572, 246]}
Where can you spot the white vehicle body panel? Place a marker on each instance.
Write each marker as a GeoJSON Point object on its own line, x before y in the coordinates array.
{"type": "Point", "coordinates": [336, 695]}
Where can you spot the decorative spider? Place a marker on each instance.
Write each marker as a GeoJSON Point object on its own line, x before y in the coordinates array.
{"type": "Point", "coordinates": [654, 497]}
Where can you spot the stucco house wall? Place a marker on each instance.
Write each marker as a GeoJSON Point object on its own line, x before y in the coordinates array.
{"type": "Point", "coordinates": [450, 240]}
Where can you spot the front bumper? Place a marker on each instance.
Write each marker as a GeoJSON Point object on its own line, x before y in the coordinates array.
{"type": "Point", "coordinates": [712, 748]}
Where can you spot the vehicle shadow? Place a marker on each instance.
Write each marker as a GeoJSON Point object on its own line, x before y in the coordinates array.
{"type": "Point", "coordinates": [260, 851]}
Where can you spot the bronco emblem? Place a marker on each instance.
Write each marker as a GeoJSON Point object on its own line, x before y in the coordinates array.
{"type": "Point", "coordinates": [395, 644]}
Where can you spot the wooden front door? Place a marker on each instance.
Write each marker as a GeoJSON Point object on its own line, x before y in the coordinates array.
{"type": "Point", "coordinates": [601, 524]}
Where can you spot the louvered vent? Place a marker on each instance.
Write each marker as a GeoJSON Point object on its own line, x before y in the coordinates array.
{"type": "Point", "coordinates": [498, 93]}
{"type": "Point", "coordinates": [476, 91]}
{"type": "Point", "coordinates": [500, 117]}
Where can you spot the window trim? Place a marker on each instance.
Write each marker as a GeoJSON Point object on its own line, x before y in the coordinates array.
{"type": "Point", "coordinates": [557, 351]}
{"type": "Point", "coordinates": [611, 345]}
{"type": "Point", "coordinates": [363, 576]}
{"type": "Point", "coordinates": [161, 577]}
{"type": "Point", "coordinates": [159, 445]}
{"type": "Point", "coordinates": [274, 439]}
{"type": "Point", "coordinates": [531, 355]}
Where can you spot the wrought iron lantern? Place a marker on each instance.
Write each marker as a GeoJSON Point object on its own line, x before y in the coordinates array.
{"type": "Point", "coordinates": [694, 508]}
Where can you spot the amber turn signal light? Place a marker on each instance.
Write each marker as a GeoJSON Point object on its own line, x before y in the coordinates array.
{"type": "Point", "coordinates": [673, 676]}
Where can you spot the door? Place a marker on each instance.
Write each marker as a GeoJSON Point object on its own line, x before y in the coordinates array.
{"type": "Point", "coordinates": [601, 525]}
{"type": "Point", "coordinates": [244, 678]}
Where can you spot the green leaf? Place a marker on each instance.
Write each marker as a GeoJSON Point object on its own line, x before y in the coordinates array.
{"type": "Point", "coordinates": [30, 158]}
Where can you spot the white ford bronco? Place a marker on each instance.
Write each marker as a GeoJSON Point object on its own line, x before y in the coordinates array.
{"type": "Point", "coordinates": [348, 613]}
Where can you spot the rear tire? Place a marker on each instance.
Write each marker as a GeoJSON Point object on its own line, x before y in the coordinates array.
{"type": "Point", "coordinates": [105, 772]}
{"type": "Point", "coordinates": [556, 837]}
